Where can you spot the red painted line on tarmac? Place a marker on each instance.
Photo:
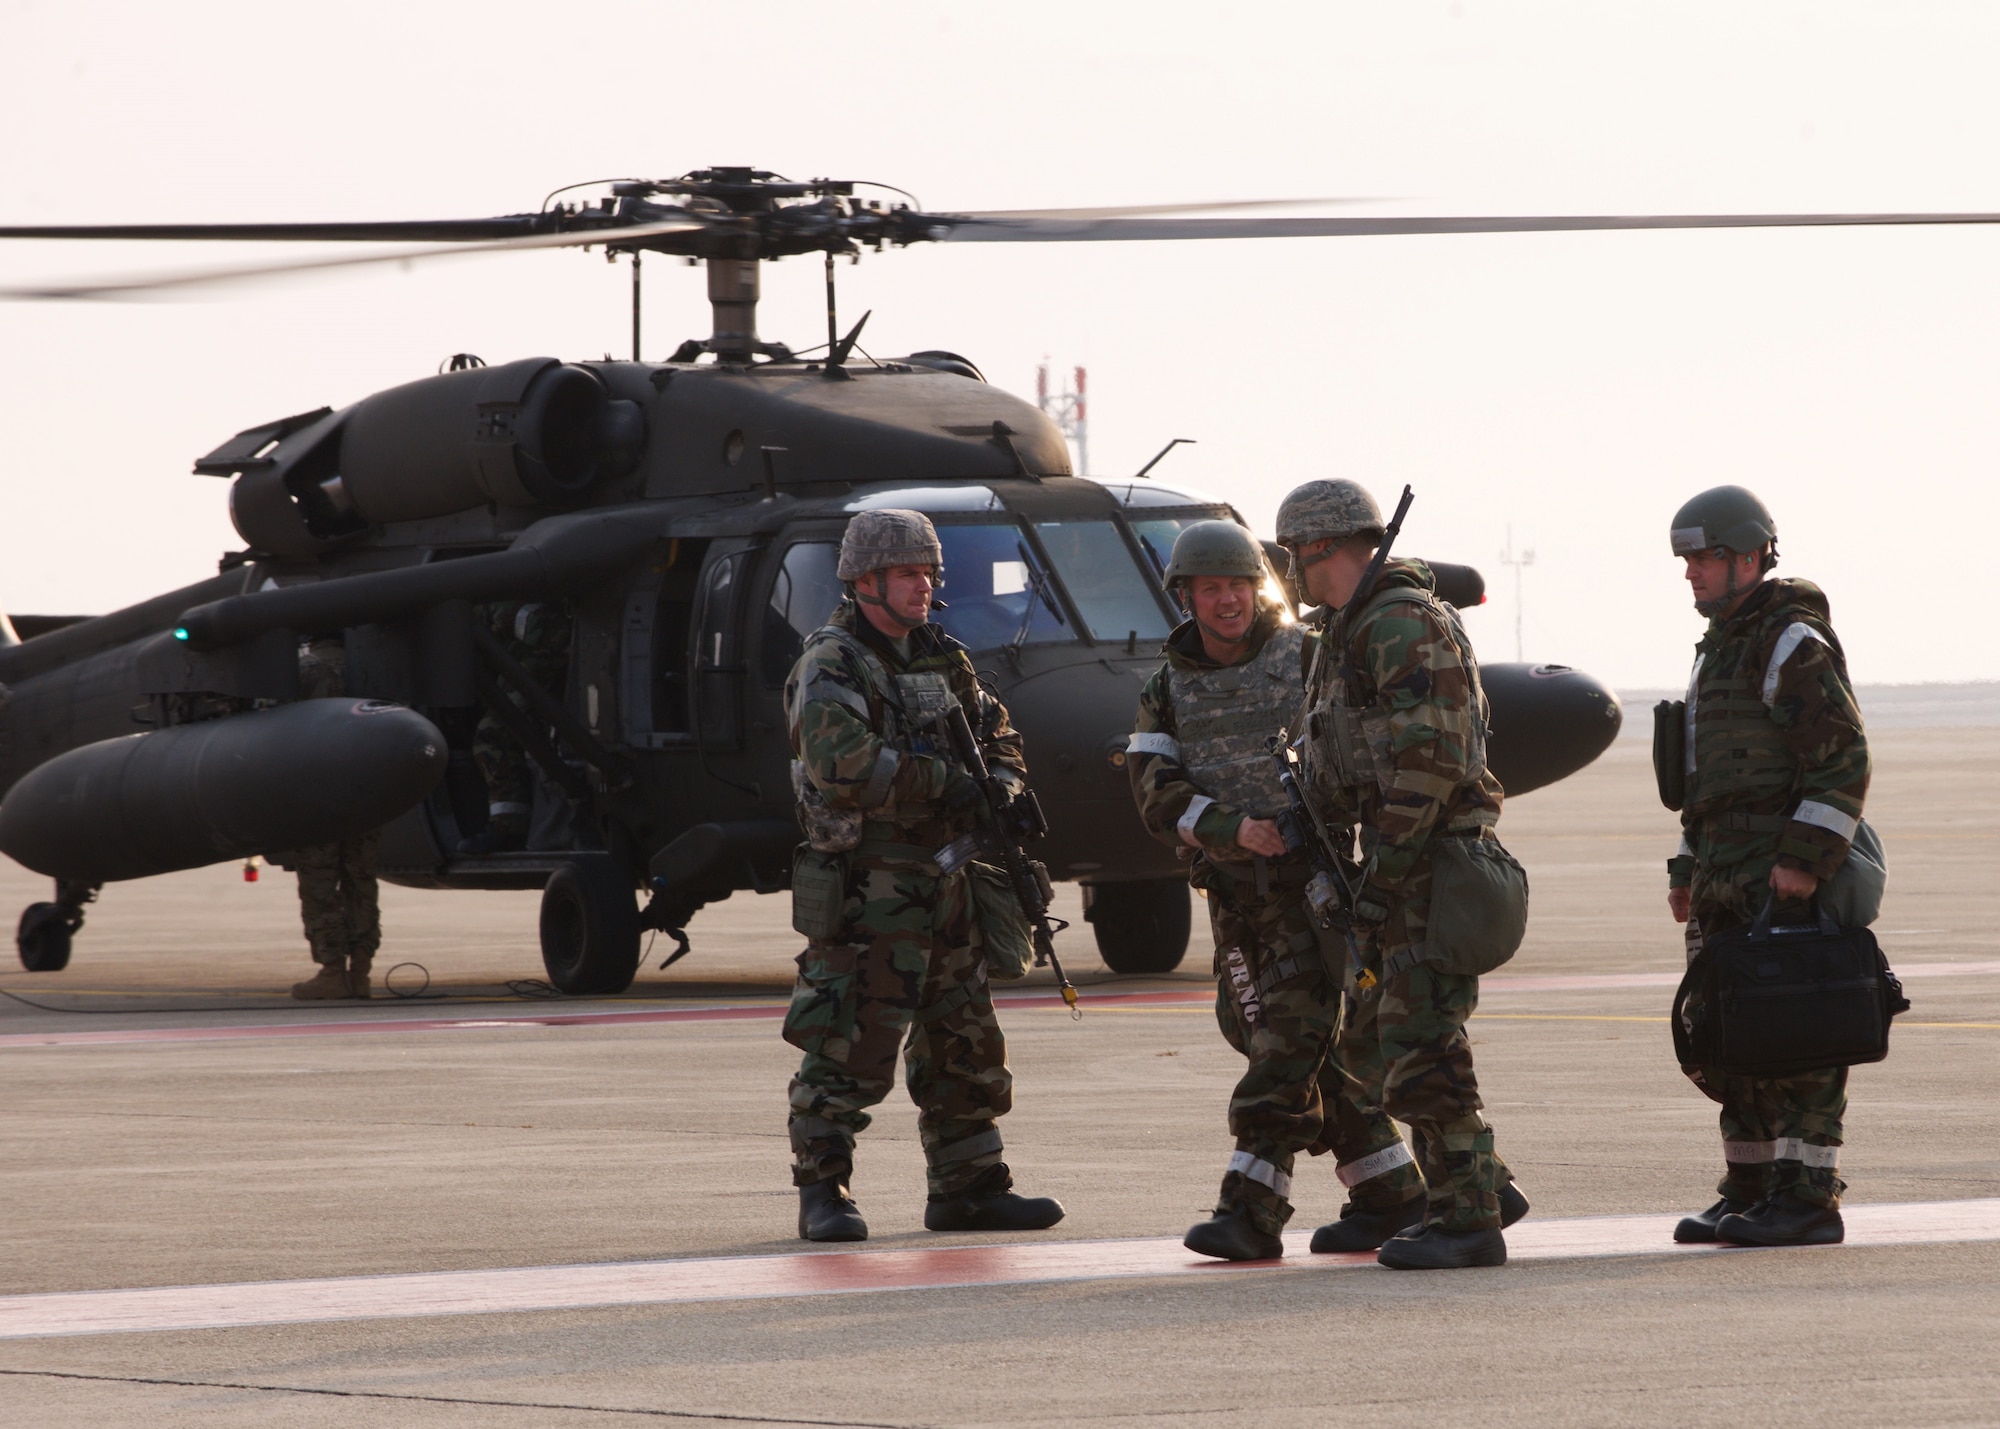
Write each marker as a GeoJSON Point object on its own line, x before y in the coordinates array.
{"type": "Point", "coordinates": [668, 1282]}
{"type": "Point", "coordinates": [735, 1012]}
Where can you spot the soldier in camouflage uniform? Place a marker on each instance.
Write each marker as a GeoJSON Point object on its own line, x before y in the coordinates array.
{"type": "Point", "coordinates": [905, 968]}
{"type": "Point", "coordinates": [1396, 729]}
{"type": "Point", "coordinates": [1775, 774]}
{"type": "Point", "coordinates": [1204, 781]}
{"type": "Point", "coordinates": [537, 634]}
{"type": "Point", "coordinates": [338, 897]}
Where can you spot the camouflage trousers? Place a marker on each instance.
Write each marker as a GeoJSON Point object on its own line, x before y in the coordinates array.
{"type": "Point", "coordinates": [338, 898]}
{"type": "Point", "coordinates": [1403, 1042]}
{"type": "Point", "coordinates": [504, 765]}
{"type": "Point", "coordinates": [1277, 1006]}
{"type": "Point", "coordinates": [1779, 1134]}
{"type": "Point", "coordinates": [904, 976]}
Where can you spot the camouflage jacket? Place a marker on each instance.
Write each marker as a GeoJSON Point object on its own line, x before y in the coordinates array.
{"type": "Point", "coordinates": [536, 633]}
{"type": "Point", "coordinates": [1403, 683]}
{"type": "Point", "coordinates": [1162, 786]}
{"type": "Point", "coordinates": [862, 745]}
{"type": "Point", "coordinates": [1777, 765]}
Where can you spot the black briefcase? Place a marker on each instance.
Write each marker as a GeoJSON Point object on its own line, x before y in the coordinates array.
{"type": "Point", "coordinates": [1773, 1000]}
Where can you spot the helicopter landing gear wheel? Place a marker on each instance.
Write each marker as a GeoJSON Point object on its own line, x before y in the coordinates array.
{"type": "Point", "coordinates": [590, 928]}
{"type": "Point", "coordinates": [43, 938]}
{"type": "Point", "coordinates": [1141, 927]}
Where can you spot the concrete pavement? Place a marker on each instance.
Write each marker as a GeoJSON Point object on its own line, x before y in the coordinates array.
{"type": "Point", "coordinates": [561, 1138]}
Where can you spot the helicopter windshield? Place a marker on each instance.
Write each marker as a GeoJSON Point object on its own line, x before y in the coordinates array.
{"type": "Point", "coordinates": [1116, 600]}
{"type": "Point", "coordinates": [996, 591]}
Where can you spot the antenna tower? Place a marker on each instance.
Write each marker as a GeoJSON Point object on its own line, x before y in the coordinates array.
{"type": "Point", "coordinates": [1520, 561]}
{"type": "Point", "coordinates": [1069, 410]}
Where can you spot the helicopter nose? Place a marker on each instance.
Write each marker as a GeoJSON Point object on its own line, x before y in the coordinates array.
{"type": "Point", "coordinates": [1075, 721]}
{"type": "Point", "coordinates": [1548, 722]}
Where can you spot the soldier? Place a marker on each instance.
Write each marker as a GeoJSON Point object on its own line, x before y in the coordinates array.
{"type": "Point", "coordinates": [1776, 770]}
{"type": "Point", "coordinates": [338, 898]}
{"type": "Point", "coordinates": [1204, 781]}
{"type": "Point", "coordinates": [897, 959]}
{"type": "Point", "coordinates": [1395, 727]}
{"type": "Point", "coordinates": [537, 634]}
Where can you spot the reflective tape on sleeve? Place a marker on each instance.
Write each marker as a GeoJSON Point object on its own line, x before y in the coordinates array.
{"type": "Point", "coordinates": [1378, 1163]}
{"type": "Point", "coordinates": [1796, 634]}
{"type": "Point", "coordinates": [1792, 1148]}
{"type": "Point", "coordinates": [1749, 1153]}
{"type": "Point", "coordinates": [1197, 806]}
{"type": "Point", "coordinates": [506, 806]}
{"type": "Point", "coordinates": [1825, 816]}
{"type": "Point", "coordinates": [1686, 850]}
{"type": "Point", "coordinates": [1153, 742]}
{"type": "Point", "coordinates": [875, 792]}
{"type": "Point", "coordinates": [1255, 1168]}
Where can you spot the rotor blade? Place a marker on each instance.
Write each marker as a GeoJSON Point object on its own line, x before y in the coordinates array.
{"type": "Point", "coordinates": [1013, 215]}
{"type": "Point", "coordinates": [449, 230]}
{"type": "Point", "coordinates": [140, 285]}
{"type": "Point", "coordinates": [988, 229]}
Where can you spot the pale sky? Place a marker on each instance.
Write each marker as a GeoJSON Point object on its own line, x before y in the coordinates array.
{"type": "Point", "coordinates": [1578, 387]}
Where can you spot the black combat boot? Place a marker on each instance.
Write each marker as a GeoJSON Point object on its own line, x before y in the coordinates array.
{"type": "Point", "coordinates": [1230, 1234]}
{"type": "Point", "coordinates": [1784, 1219]}
{"type": "Point", "coordinates": [1513, 1205]}
{"type": "Point", "coordinates": [988, 1205]}
{"type": "Point", "coordinates": [1430, 1248]}
{"type": "Point", "coordinates": [1699, 1228]}
{"type": "Point", "coordinates": [827, 1212]}
{"type": "Point", "coordinates": [1366, 1230]}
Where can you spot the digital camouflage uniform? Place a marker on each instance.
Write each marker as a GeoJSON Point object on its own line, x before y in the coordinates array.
{"type": "Point", "coordinates": [338, 897]}
{"type": "Point", "coordinates": [1777, 769]}
{"type": "Point", "coordinates": [908, 967]}
{"type": "Point", "coordinates": [1405, 673]}
{"type": "Point", "coordinates": [537, 634]}
{"type": "Point", "coordinates": [1275, 1002]}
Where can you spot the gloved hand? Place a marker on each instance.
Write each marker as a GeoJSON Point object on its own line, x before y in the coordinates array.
{"type": "Point", "coordinates": [1371, 909]}
{"type": "Point", "coordinates": [962, 797]}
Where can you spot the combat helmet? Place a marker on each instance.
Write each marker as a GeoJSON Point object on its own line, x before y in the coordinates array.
{"type": "Point", "coordinates": [1727, 516]}
{"type": "Point", "coordinates": [1322, 510]}
{"type": "Point", "coordinates": [889, 537]}
{"type": "Point", "coordinates": [1214, 548]}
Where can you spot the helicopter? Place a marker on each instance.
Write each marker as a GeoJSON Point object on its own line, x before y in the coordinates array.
{"type": "Point", "coordinates": [686, 513]}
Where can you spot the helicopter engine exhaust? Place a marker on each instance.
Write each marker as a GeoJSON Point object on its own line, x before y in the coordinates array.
{"type": "Point", "coordinates": [307, 773]}
{"type": "Point", "coordinates": [537, 432]}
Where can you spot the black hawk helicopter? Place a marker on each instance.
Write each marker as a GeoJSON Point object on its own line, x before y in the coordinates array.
{"type": "Point", "coordinates": [687, 513]}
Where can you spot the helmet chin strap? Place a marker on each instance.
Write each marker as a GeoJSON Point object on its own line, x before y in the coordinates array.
{"type": "Point", "coordinates": [875, 600]}
{"type": "Point", "coordinates": [1732, 589]}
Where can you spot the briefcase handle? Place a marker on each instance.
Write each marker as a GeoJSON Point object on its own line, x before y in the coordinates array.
{"type": "Point", "coordinates": [1761, 926]}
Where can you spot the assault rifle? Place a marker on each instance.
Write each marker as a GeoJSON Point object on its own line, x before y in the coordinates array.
{"type": "Point", "coordinates": [1012, 819]}
{"type": "Point", "coordinates": [1366, 586]}
{"type": "Point", "coordinates": [1329, 892]}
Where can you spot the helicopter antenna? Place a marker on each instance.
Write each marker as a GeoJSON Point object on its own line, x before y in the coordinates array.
{"type": "Point", "coordinates": [838, 357]}
{"type": "Point", "coordinates": [832, 323]}
{"type": "Point", "coordinates": [635, 304]}
{"type": "Point", "coordinates": [1177, 441]}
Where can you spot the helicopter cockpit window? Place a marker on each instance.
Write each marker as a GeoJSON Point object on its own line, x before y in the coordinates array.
{"type": "Point", "coordinates": [1096, 567]}
{"type": "Point", "coordinates": [1157, 534]}
{"type": "Point", "coordinates": [804, 592]}
{"type": "Point", "coordinates": [996, 590]}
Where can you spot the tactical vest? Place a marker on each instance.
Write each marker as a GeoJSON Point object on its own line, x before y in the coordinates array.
{"type": "Point", "coordinates": [1223, 717]}
{"type": "Point", "coordinates": [906, 709]}
{"type": "Point", "coordinates": [1736, 755]}
{"type": "Point", "coordinates": [1350, 746]}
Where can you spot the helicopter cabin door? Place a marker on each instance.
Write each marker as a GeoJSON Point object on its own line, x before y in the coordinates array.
{"type": "Point", "coordinates": [656, 645]}
{"type": "Point", "coordinates": [715, 713]}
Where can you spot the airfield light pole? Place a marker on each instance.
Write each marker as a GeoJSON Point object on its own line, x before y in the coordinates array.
{"type": "Point", "coordinates": [1070, 411]}
{"type": "Point", "coordinates": [1520, 561]}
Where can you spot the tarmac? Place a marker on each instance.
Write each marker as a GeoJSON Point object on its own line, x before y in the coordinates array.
{"type": "Point", "coordinates": [486, 1208]}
